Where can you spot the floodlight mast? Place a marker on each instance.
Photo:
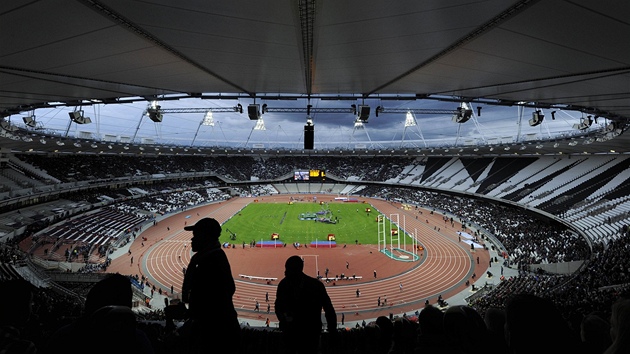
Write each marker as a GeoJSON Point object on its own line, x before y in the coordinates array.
{"type": "Point", "coordinates": [153, 105]}
{"type": "Point", "coordinates": [478, 125]}
{"type": "Point", "coordinates": [410, 121]}
{"type": "Point", "coordinates": [359, 124]}
{"type": "Point", "coordinates": [208, 119]}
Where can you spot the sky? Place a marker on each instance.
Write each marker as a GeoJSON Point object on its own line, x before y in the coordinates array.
{"type": "Point", "coordinates": [128, 123]}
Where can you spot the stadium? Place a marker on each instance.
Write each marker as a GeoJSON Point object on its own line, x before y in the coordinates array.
{"type": "Point", "coordinates": [444, 154]}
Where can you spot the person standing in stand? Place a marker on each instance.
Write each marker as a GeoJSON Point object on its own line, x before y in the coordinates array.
{"type": "Point", "coordinates": [208, 289]}
{"type": "Point", "coordinates": [298, 306]}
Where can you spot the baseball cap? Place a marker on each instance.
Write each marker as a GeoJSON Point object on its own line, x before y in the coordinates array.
{"type": "Point", "coordinates": [206, 225]}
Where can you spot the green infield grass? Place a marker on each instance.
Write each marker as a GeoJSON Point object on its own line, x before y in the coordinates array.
{"type": "Point", "coordinates": [349, 222]}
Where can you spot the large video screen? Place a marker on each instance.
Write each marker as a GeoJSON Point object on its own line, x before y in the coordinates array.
{"type": "Point", "coordinates": [301, 176]}
{"type": "Point", "coordinates": [309, 175]}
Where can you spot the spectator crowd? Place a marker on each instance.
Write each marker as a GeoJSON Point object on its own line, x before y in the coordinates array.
{"type": "Point", "coordinates": [586, 312]}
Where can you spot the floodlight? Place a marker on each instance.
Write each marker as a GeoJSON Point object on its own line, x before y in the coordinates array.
{"type": "Point", "coordinates": [208, 119]}
{"type": "Point", "coordinates": [155, 113]}
{"type": "Point", "coordinates": [584, 124]}
{"type": "Point", "coordinates": [260, 124]}
{"type": "Point", "coordinates": [75, 115]}
{"type": "Point", "coordinates": [462, 115]}
{"type": "Point", "coordinates": [30, 121]}
{"type": "Point", "coordinates": [79, 118]}
{"type": "Point", "coordinates": [6, 125]}
{"type": "Point", "coordinates": [410, 120]}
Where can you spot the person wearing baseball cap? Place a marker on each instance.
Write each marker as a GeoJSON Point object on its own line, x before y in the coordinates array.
{"type": "Point", "coordinates": [205, 232]}
{"type": "Point", "coordinates": [208, 289]}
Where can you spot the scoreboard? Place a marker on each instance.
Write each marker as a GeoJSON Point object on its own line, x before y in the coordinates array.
{"type": "Point", "coordinates": [309, 175]}
{"type": "Point", "coordinates": [317, 174]}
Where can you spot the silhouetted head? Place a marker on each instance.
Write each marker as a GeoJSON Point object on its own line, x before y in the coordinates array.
{"type": "Point", "coordinates": [595, 331]}
{"type": "Point", "coordinates": [15, 304]}
{"type": "Point", "coordinates": [530, 316]}
{"type": "Point", "coordinates": [386, 325]}
{"type": "Point", "coordinates": [431, 320]}
{"type": "Point", "coordinates": [293, 265]}
{"type": "Point", "coordinates": [494, 319]}
{"type": "Point", "coordinates": [205, 232]}
{"type": "Point", "coordinates": [620, 323]}
{"type": "Point", "coordinates": [404, 334]}
{"type": "Point", "coordinates": [113, 290]}
{"type": "Point", "coordinates": [463, 323]}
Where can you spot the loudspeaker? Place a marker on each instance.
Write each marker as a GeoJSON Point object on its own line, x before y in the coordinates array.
{"type": "Point", "coordinates": [253, 111]}
{"type": "Point", "coordinates": [309, 136]}
{"type": "Point", "coordinates": [364, 113]}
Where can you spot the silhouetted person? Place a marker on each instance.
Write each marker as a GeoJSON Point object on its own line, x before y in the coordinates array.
{"type": "Point", "coordinates": [298, 306]}
{"type": "Point", "coordinates": [620, 327]}
{"type": "Point", "coordinates": [404, 336]}
{"type": "Point", "coordinates": [534, 325]}
{"type": "Point", "coordinates": [431, 336]}
{"type": "Point", "coordinates": [595, 333]}
{"type": "Point", "coordinates": [463, 327]}
{"type": "Point", "coordinates": [495, 323]}
{"type": "Point", "coordinates": [16, 298]}
{"type": "Point", "coordinates": [208, 289]}
{"type": "Point", "coordinates": [383, 341]}
{"type": "Point", "coordinates": [372, 339]}
{"type": "Point", "coordinates": [107, 325]}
